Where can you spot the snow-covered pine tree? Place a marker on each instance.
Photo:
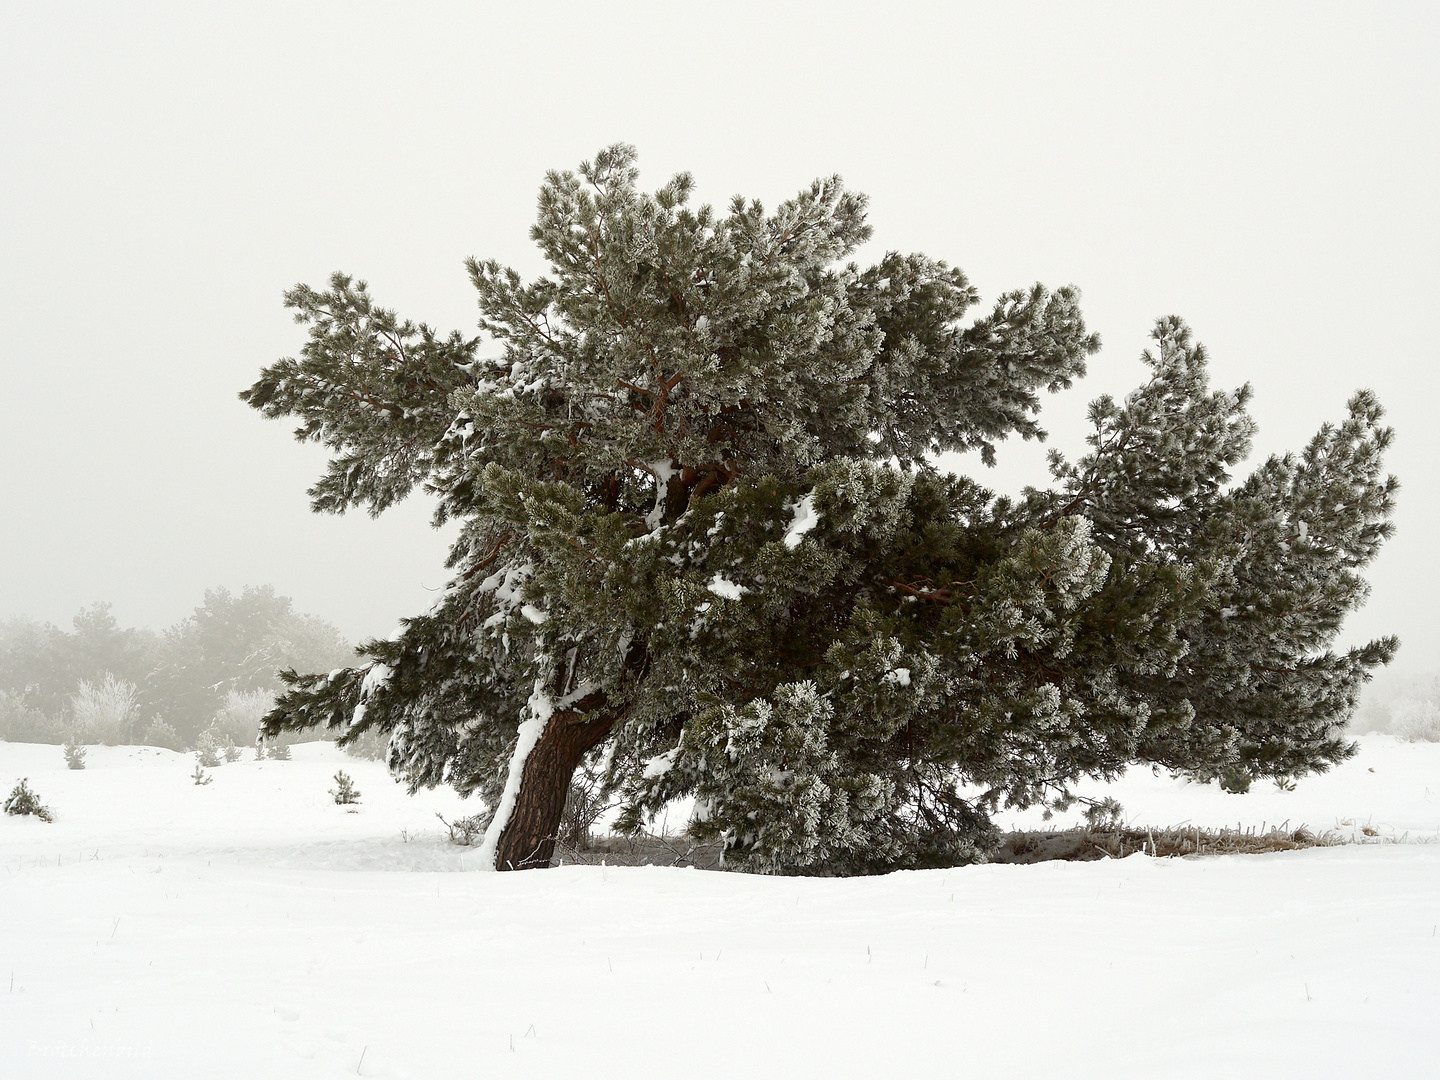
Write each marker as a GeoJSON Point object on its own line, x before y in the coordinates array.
{"type": "Point", "coordinates": [704, 548]}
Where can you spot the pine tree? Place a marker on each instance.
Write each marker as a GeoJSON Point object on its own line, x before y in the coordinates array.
{"type": "Point", "coordinates": [344, 792]}
{"type": "Point", "coordinates": [207, 749]}
{"type": "Point", "coordinates": [22, 801]}
{"type": "Point", "coordinates": [74, 753]}
{"type": "Point", "coordinates": [704, 548]}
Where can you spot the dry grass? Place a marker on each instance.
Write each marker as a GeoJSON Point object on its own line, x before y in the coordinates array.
{"type": "Point", "coordinates": [1022, 847]}
{"type": "Point", "coordinates": [644, 849]}
{"type": "Point", "coordinates": [1175, 842]}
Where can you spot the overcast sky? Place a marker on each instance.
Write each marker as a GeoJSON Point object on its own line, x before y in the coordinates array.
{"type": "Point", "coordinates": [1269, 172]}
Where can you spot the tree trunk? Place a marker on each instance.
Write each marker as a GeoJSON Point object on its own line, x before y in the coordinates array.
{"type": "Point", "coordinates": [528, 839]}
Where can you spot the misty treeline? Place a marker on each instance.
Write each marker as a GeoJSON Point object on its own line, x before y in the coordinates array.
{"type": "Point", "coordinates": [215, 670]}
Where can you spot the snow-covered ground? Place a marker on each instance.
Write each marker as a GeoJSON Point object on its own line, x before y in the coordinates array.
{"type": "Point", "coordinates": [252, 928]}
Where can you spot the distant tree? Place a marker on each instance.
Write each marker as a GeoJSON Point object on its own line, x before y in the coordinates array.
{"type": "Point", "coordinates": [105, 711]}
{"type": "Point", "coordinates": [98, 645]}
{"type": "Point", "coordinates": [704, 548]}
{"type": "Point", "coordinates": [26, 660]}
{"type": "Point", "coordinates": [236, 644]}
{"type": "Point", "coordinates": [158, 733]}
{"type": "Point", "coordinates": [239, 716]}
{"type": "Point", "coordinates": [45, 664]}
{"type": "Point", "coordinates": [20, 722]}
{"type": "Point", "coordinates": [1415, 719]}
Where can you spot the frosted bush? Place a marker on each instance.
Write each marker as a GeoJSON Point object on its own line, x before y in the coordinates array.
{"type": "Point", "coordinates": [239, 717]}
{"type": "Point", "coordinates": [207, 749]}
{"type": "Point", "coordinates": [1415, 720]}
{"type": "Point", "coordinates": [105, 712]}
{"type": "Point", "coordinates": [20, 723]}
{"type": "Point", "coordinates": [159, 733]}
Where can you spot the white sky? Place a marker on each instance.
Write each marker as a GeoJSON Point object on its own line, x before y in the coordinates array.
{"type": "Point", "coordinates": [1269, 172]}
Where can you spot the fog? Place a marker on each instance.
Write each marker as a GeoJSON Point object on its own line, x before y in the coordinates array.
{"type": "Point", "coordinates": [166, 171]}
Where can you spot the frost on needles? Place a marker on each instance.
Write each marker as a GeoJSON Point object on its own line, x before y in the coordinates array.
{"type": "Point", "coordinates": [704, 549]}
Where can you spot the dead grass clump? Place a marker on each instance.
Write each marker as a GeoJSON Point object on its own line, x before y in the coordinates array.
{"type": "Point", "coordinates": [642, 849]}
{"type": "Point", "coordinates": [466, 830]}
{"type": "Point", "coordinates": [1179, 841]}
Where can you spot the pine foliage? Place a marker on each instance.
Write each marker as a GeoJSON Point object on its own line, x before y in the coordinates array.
{"type": "Point", "coordinates": [208, 748]}
{"type": "Point", "coordinates": [344, 792]}
{"type": "Point", "coordinates": [700, 517]}
{"type": "Point", "coordinates": [23, 801]}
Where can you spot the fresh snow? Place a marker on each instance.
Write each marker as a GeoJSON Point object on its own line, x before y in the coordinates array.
{"type": "Point", "coordinates": [1390, 787]}
{"type": "Point", "coordinates": [722, 586]}
{"type": "Point", "coordinates": [252, 928]}
{"type": "Point", "coordinates": [803, 518]}
{"type": "Point", "coordinates": [378, 675]}
{"type": "Point", "coordinates": [662, 470]}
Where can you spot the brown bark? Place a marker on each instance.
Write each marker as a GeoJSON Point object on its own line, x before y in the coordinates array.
{"type": "Point", "coordinates": [528, 839]}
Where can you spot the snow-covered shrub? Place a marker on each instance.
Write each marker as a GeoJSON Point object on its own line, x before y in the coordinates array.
{"type": "Point", "coordinates": [24, 801]}
{"type": "Point", "coordinates": [159, 733]}
{"type": "Point", "coordinates": [21, 723]}
{"type": "Point", "coordinates": [277, 749]}
{"type": "Point", "coordinates": [1415, 720]}
{"type": "Point", "coordinates": [74, 754]}
{"type": "Point", "coordinates": [200, 776]}
{"type": "Point", "coordinates": [207, 749]}
{"type": "Point", "coordinates": [232, 752]}
{"type": "Point", "coordinates": [466, 830]}
{"type": "Point", "coordinates": [105, 712]}
{"type": "Point", "coordinates": [239, 717]}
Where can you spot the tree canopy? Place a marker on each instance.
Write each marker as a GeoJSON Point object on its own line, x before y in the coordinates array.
{"type": "Point", "coordinates": [184, 676]}
{"type": "Point", "coordinates": [705, 546]}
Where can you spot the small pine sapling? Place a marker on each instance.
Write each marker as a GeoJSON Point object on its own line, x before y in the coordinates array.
{"type": "Point", "coordinates": [207, 749]}
{"type": "Point", "coordinates": [344, 791]}
{"type": "Point", "coordinates": [1235, 779]}
{"type": "Point", "coordinates": [74, 754]}
{"type": "Point", "coordinates": [279, 751]}
{"type": "Point", "coordinates": [200, 776]}
{"type": "Point", "coordinates": [24, 801]}
{"type": "Point", "coordinates": [231, 751]}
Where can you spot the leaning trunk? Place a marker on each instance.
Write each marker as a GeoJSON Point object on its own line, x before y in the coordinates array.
{"type": "Point", "coordinates": [528, 838]}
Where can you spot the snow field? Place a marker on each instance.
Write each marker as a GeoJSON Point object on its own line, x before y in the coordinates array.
{"type": "Point", "coordinates": [253, 928]}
